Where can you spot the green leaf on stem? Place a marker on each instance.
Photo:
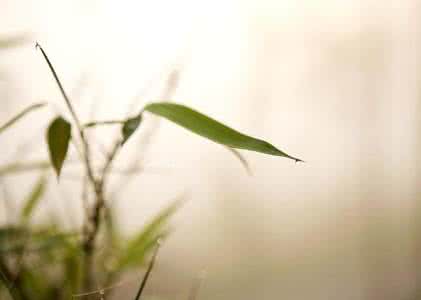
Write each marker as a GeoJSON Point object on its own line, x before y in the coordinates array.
{"type": "Point", "coordinates": [129, 127]}
{"type": "Point", "coordinates": [58, 138]}
{"type": "Point", "coordinates": [211, 129]}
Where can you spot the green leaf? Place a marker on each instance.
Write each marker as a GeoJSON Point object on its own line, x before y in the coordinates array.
{"type": "Point", "coordinates": [211, 129]}
{"type": "Point", "coordinates": [129, 127]}
{"type": "Point", "coordinates": [138, 247]}
{"type": "Point", "coordinates": [20, 115]}
{"type": "Point", "coordinates": [58, 138]}
{"type": "Point", "coordinates": [33, 198]}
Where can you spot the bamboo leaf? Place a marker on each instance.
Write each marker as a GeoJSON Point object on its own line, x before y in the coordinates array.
{"type": "Point", "coordinates": [211, 129]}
{"type": "Point", "coordinates": [58, 138]}
{"type": "Point", "coordinates": [129, 127]}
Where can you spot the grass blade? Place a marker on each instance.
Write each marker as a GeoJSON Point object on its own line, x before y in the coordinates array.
{"type": "Point", "coordinates": [139, 246]}
{"type": "Point", "coordinates": [20, 115]}
{"type": "Point", "coordinates": [33, 198]}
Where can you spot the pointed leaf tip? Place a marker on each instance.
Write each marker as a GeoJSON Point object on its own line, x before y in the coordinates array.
{"type": "Point", "coordinates": [58, 138]}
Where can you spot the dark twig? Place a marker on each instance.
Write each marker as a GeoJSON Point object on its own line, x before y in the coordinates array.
{"type": "Point", "coordinates": [63, 92]}
{"type": "Point", "coordinates": [86, 152]}
{"type": "Point", "coordinates": [103, 122]}
{"type": "Point", "coordinates": [92, 225]}
{"type": "Point", "coordinates": [148, 272]}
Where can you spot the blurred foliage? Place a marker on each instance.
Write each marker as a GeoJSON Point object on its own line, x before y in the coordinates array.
{"type": "Point", "coordinates": [13, 41]}
{"type": "Point", "coordinates": [42, 260]}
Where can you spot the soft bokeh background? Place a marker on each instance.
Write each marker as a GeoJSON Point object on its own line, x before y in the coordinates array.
{"type": "Point", "coordinates": [333, 82]}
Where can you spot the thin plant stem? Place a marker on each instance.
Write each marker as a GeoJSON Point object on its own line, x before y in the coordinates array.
{"type": "Point", "coordinates": [63, 92]}
{"type": "Point", "coordinates": [103, 122]}
{"type": "Point", "coordinates": [148, 272]}
{"type": "Point", "coordinates": [93, 222]}
{"type": "Point", "coordinates": [86, 154]}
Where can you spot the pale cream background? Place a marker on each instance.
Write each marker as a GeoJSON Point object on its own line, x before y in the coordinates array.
{"type": "Point", "coordinates": [333, 82]}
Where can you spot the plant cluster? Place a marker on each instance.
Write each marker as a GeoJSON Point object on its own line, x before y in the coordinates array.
{"type": "Point", "coordinates": [43, 261]}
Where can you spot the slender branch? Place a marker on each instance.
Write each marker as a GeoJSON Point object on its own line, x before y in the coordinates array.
{"type": "Point", "coordinates": [107, 166]}
{"type": "Point", "coordinates": [92, 224]}
{"type": "Point", "coordinates": [104, 122]}
{"type": "Point", "coordinates": [95, 217]}
{"type": "Point", "coordinates": [148, 272]}
{"type": "Point", "coordinates": [63, 92]}
{"type": "Point", "coordinates": [86, 152]}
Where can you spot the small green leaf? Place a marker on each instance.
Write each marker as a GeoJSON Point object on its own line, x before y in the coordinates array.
{"type": "Point", "coordinates": [20, 115]}
{"type": "Point", "coordinates": [33, 198]}
{"type": "Point", "coordinates": [129, 127]}
{"type": "Point", "coordinates": [212, 129]}
{"type": "Point", "coordinates": [58, 138]}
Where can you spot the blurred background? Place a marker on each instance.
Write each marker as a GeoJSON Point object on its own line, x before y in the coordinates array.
{"type": "Point", "coordinates": [336, 83]}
